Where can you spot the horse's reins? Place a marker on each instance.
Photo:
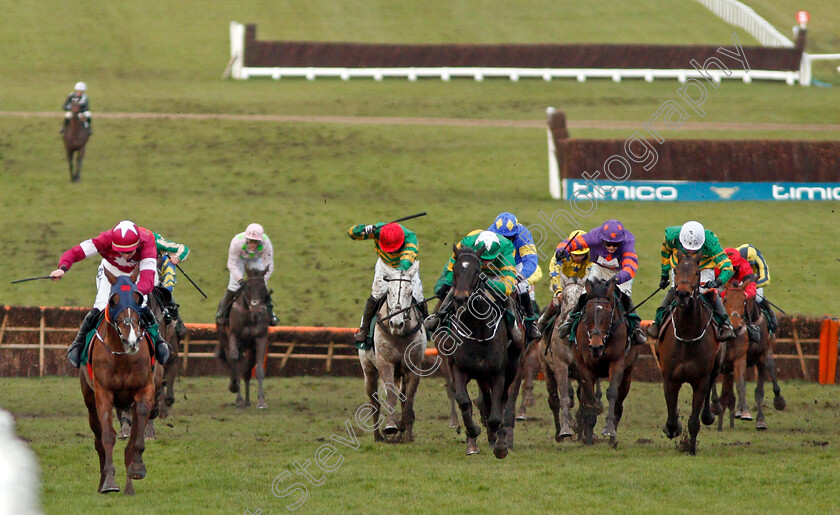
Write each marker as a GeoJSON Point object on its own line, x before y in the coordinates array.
{"type": "Point", "coordinates": [605, 335]}
{"type": "Point", "coordinates": [141, 333]}
{"type": "Point", "coordinates": [399, 309]}
{"type": "Point", "coordinates": [694, 295]}
{"type": "Point", "coordinates": [478, 282]}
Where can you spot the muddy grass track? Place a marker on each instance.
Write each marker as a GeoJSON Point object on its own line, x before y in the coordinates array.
{"type": "Point", "coordinates": [441, 122]}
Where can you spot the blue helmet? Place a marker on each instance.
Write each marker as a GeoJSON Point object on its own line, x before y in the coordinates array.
{"type": "Point", "coordinates": [505, 224]}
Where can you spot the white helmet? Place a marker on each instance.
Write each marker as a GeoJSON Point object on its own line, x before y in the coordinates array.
{"type": "Point", "coordinates": [254, 232]}
{"type": "Point", "coordinates": [80, 86]}
{"type": "Point", "coordinates": [692, 235]}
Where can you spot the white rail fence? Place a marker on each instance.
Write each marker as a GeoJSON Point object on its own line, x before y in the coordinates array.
{"type": "Point", "coordinates": [741, 15]}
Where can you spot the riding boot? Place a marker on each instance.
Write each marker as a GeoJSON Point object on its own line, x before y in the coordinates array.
{"type": "Point", "coordinates": [423, 309]}
{"type": "Point", "coordinates": [653, 328]}
{"type": "Point", "coordinates": [637, 336]}
{"type": "Point", "coordinates": [566, 328]}
{"type": "Point", "coordinates": [361, 335]}
{"type": "Point", "coordinates": [162, 349]}
{"type": "Point", "coordinates": [74, 353]}
{"type": "Point", "coordinates": [772, 322]}
{"type": "Point", "coordinates": [180, 328]}
{"type": "Point", "coordinates": [441, 310]}
{"type": "Point", "coordinates": [531, 329]}
{"type": "Point", "coordinates": [89, 126]}
{"type": "Point", "coordinates": [549, 312]}
{"type": "Point", "coordinates": [724, 328]}
{"type": "Point", "coordinates": [64, 126]}
{"type": "Point", "coordinates": [273, 320]}
{"type": "Point", "coordinates": [224, 306]}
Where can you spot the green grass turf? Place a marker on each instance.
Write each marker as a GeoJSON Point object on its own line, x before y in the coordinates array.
{"type": "Point", "coordinates": [212, 458]}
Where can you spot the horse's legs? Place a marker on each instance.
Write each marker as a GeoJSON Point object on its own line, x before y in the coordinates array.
{"type": "Point", "coordinates": [530, 367]}
{"type": "Point", "coordinates": [450, 394]}
{"type": "Point", "coordinates": [386, 375]}
{"type": "Point", "coordinates": [672, 428]}
{"type": "Point", "coordinates": [125, 424]}
{"type": "Point", "coordinates": [699, 400]}
{"type": "Point", "coordinates": [623, 390]}
{"type": "Point", "coordinates": [104, 406]}
{"type": "Point", "coordinates": [587, 410]}
{"type": "Point", "coordinates": [556, 383]}
{"type": "Point", "coordinates": [371, 387]}
{"type": "Point", "coordinates": [80, 155]}
{"type": "Point", "coordinates": [262, 349]}
{"type": "Point", "coordinates": [95, 426]}
{"type": "Point", "coordinates": [742, 411]}
{"type": "Point", "coordinates": [495, 422]}
{"type": "Point", "coordinates": [512, 378]}
{"type": "Point", "coordinates": [411, 382]}
{"type": "Point", "coordinates": [761, 367]}
{"type": "Point", "coordinates": [246, 366]}
{"type": "Point", "coordinates": [70, 163]}
{"type": "Point", "coordinates": [462, 397]}
{"type": "Point", "coordinates": [779, 402]}
{"type": "Point", "coordinates": [171, 372]}
{"type": "Point", "coordinates": [134, 466]}
{"type": "Point", "coordinates": [616, 379]}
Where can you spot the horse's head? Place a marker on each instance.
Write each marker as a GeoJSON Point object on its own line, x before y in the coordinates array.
{"type": "Point", "coordinates": [124, 305]}
{"type": "Point", "coordinates": [686, 277]}
{"type": "Point", "coordinates": [75, 106]}
{"type": "Point", "coordinates": [598, 314]}
{"type": "Point", "coordinates": [399, 296]}
{"type": "Point", "coordinates": [465, 274]}
{"type": "Point", "coordinates": [735, 302]}
{"type": "Point", "coordinates": [255, 291]}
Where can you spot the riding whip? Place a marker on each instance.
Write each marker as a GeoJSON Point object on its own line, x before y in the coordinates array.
{"type": "Point", "coordinates": [403, 310]}
{"type": "Point", "coordinates": [647, 299]}
{"type": "Point", "coordinates": [418, 215]}
{"type": "Point", "coordinates": [782, 311]}
{"type": "Point", "coordinates": [50, 277]}
{"type": "Point", "coordinates": [190, 280]}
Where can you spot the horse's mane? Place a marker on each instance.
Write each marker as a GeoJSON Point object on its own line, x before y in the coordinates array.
{"type": "Point", "coordinates": [599, 288]}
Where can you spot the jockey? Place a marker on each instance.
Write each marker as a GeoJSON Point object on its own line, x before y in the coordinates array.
{"type": "Point", "coordinates": [397, 248]}
{"type": "Point", "coordinates": [170, 254]}
{"type": "Point", "coordinates": [743, 274]}
{"type": "Point", "coordinates": [497, 264]}
{"type": "Point", "coordinates": [249, 250]}
{"type": "Point", "coordinates": [759, 267]}
{"type": "Point", "coordinates": [527, 268]}
{"type": "Point", "coordinates": [124, 249]}
{"type": "Point", "coordinates": [613, 254]}
{"type": "Point", "coordinates": [693, 239]}
{"type": "Point", "coordinates": [84, 104]}
{"type": "Point", "coordinates": [571, 270]}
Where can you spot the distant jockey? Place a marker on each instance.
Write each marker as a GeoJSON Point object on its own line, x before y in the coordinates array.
{"type": "Point", "coordinates": [124, 249]}
{"type": "Point", "coordinates": [527, 267]}
{"type": "Point", "coordinates": [762, 271]}
{"type": "Point", "coordinates": [693, 240]}
{"type": "Point", "coordinates": [169, 255]}
{"type": "Point", "coordinates": [570, 270]}
{"type": "Point", "coordinates": [397, 248]}
{"type": "Point", "coordinates": [84, 107]}
{"type": "Point", "coordinates": [613, 254]}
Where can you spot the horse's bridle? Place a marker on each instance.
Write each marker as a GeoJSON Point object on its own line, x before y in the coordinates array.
{"type": "Point", "coordinates": [605, 335]}
{"type": "Point", "coordinates": [695, 296]}
{"type": "Point", "coordinates": [398, 307]}
{"type": "Point", "coordinates": [126, 321]}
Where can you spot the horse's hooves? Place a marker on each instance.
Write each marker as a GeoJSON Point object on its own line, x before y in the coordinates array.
{"type": "Point", "coordinates": [390, 429]}
{"type": "Point", "coordinates": [745, 415]}
{"type": "Point", "coordinates": [761, 426]}
{"type": "Point", "coordinates": [233, 387]}
{"type": "Point", "coordinates": [521, 417]}
{"type": "Point", "coordinates": [453, 424]}
{"type": "Point", "coordinates": [377, 436]}
{"type": "Point", "coordinates": [738, 414]}
{"type": "Point", "coordinates": [473, 450]}
{"type": "Point", "coordinates": [108, 487]}
{"type": "Point", "coordinates": [169, 400]}
{"type": "Point", "coordinates": [779, 403]}
{"type": "Point", "coordinates": [136, 471]}
{"type": "Point", "coordinates": [262, 404]}
{"type": "Point", "coordinates": [123, 435]}
{"type": "Point", "coordinates": [500, 452]}
{"type": "Point", "coordinates": [707, 418]}
{"type": "Point", "coordinates": [609, 432]}
{"type": "Point", "coordinates": [613, 442]}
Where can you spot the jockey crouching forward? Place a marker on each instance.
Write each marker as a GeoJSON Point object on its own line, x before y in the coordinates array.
{"type": "Point", "coordinates": [249, 250]}
{"type": "Point", "coordinates": [742, 276]}
{"type": "Point", "coordinates": [762, 273]}
{"type": "Point", "coordinates": [527, 266]}
{"type": "Point", "coordinates": [497, 264]}
{"type": "Point", "coordinates": [169, 255]}
{"type": "Point", "coordinates": [571, 270]}
{"type": "Point", "coordinates": [397, 248]}
{"type": "Point", "coordinates": [613, 254]}
{"type": "Point", "coordinates": [693, 239]}
{"type": "Point", "coordinates": [124, 249]}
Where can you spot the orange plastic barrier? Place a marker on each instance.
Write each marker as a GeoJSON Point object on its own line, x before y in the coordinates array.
{"type": "Point", "coordinates": [829, 331]}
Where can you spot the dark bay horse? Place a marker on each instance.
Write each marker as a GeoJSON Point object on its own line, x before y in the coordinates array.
{"type": "Point", "coordinates": [399, 347]}
{"type": "Point", "coordinates": [479, 348]}
{"type": "Point", "coordinates": [688, 352]}
{"type": "Point", "coordinates": [246, 333]}
{"type": "Point", "coordinates": [600, 352]}
{"type": "Point", "coordinates": [734, 358]}
{"type": "Point", "coordinates": [760, 356]}
{"type": "Point", "coordinates": [75, 138]}
{"type": "Point", "coordinates": [120, 375]}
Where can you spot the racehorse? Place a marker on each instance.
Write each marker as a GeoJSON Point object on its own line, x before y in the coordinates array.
{"type": "Point", "coordinates": [601, 351]}
{"type": "Point", "coordinates": [158, 302]}
{"type": "Point", "coordinates": [75, 138]}
{"type": "Point", "coordinates": [529, 367]}
{"type": "Point", "coordinates": [734, 359]}
{"type": "Point", "coordinates": [121, 375]}
{"type": "Point", "coordinates": [399, 348]}
{"type": "Point", "coordinates": [479, 348]}
{"type": "Point", "coordinates": [688, 352]}
{"type": "Point", "coordinates": [247, 333]}
{"type": "Point", "coordinates": [759, 355]}
{"type": "Point", "coordinates": [557, 357]}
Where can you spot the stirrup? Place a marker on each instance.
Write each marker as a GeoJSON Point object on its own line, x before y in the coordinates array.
{"type": "Point", "coordinates": [638, 337]}
{"type": "Point", "coordinates": [74, 355]}
{"type": "Point", "coordinates": [162, 352]}
{"type": "Point", "coordinates": [725, 333]}
{"type": "Point", "coordinates": [534, 332]}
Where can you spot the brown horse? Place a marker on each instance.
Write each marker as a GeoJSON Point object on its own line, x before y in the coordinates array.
{"type": "Point", "coordinates": [529, 367]}
{"type": "Point", "coordinates": [601, 351]}
{"type": "Point", "coordinates": [75, 138]}
{"type": "Point", "coordinates": [479, 348]}
{"type": "Point", "coordinates": [734, 359]}
{"type": "Point", "coordinates": [759, 355]}
{"type": "Point", "coordinates": [247, 333]}
{"type": "Point", "coordinates": [688, 352]}
{"type": "Point", "coordinates": [120, 375]}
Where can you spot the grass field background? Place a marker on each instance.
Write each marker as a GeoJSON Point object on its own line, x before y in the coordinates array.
{"type": "Point", "coordinates": [212, 458]}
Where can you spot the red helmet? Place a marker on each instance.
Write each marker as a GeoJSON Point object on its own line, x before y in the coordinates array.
{"type": "Point", "coordinates": [391, 237]}
{"type": "Point", "coordinates": [125, 237]}
{"type": "Point", "coordinates": [733, 256]}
